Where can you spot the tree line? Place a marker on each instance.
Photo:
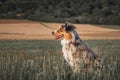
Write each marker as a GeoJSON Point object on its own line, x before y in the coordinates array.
{"type": "Point", "coordinates": [76, 11]}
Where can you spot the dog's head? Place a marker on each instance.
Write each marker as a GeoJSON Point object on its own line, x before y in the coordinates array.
{"type": "Point", "coordinates": [64, 31]}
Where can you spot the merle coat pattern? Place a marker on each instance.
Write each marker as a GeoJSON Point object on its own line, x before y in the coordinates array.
{"type": "Point", "coordinates": [76, 53]}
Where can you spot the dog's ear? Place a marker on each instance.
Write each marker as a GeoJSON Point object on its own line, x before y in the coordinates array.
{"type": "Point", "coordinates": [69, 27]}
{"type": "Point", "coordinates": [64, 25]}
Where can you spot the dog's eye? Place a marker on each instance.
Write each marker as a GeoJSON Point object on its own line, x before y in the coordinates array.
{"type": "Point", "coordinates": [60, 31]}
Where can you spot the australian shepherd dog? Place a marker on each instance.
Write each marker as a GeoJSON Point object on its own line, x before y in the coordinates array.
{"type": "Point", "coordinates": [75, 51]}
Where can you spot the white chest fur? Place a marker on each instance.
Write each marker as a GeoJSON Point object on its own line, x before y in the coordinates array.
{"type": "Point", "coordinates": [67, 50]}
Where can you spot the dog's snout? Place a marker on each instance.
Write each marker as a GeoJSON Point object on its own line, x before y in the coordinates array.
{"type": "Point", "coordinates": [53, 33]}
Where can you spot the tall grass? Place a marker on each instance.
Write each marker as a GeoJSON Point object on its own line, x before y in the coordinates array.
{"type": "Point", "coordinates": [43, 60]}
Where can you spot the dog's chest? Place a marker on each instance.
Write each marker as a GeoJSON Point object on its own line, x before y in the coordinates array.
{"type": "Point", "coordinates": [73, 53]}
{"type": "Point", "coordinates": [67, 53]}
{"type": "Point", "coordinates": [68, 50]}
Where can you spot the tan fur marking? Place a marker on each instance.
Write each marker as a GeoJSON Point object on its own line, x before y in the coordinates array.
{"type": "Point", "coordinates": [67, 36]}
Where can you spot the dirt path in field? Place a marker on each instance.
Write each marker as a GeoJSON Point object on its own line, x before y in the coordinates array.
{"type": "Point", "coordinates": [29, 30]}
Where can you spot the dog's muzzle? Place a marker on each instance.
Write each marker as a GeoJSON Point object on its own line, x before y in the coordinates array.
{"type": "Point", "coordinates": [57, 36]}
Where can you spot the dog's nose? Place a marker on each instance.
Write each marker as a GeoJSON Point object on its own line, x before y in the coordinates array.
{"type": "Point", "coordinates": [53, 33]}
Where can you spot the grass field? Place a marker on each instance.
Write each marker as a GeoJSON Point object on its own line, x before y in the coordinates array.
{"type": "Point", "coordinates": [42, 60]}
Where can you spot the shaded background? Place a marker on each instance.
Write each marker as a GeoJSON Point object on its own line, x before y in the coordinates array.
{"type": "Point", "coordinates": [75, 11]}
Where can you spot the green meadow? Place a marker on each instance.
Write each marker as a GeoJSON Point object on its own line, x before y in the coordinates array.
{"type": "Point", "coordinates": [43, 60]}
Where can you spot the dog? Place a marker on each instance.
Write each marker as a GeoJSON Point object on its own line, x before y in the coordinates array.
{"type": "Point", "coordinates": [76, 53]}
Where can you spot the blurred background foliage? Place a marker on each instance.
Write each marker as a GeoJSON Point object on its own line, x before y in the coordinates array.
{"type": "Point", "coordinates": [75, 11]}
